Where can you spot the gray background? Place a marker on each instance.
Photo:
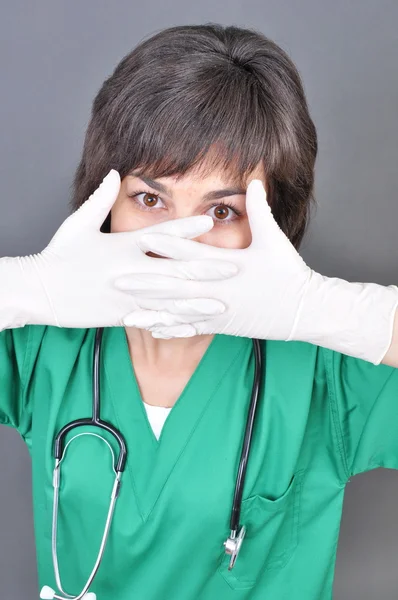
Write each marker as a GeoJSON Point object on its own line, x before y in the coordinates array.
{"type": "Point", "coordinates": [53, 58]}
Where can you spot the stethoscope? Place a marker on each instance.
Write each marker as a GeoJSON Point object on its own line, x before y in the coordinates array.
{"type": "Point", "coordinates": [234, 542]}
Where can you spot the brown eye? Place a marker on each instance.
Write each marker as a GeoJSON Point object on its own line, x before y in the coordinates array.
{"type": "Point", "coordinates": [150, 200]}
{"type": "Point", "coordinates": [221, 212]}
{"type": "Point", "coordinates": [224, 213]}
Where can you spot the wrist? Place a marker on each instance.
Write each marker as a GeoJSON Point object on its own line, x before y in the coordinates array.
{"type": "Point", "coordinates": [352, 318]}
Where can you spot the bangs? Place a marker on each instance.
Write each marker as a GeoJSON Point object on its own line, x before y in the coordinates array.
{"type": "Point", "coordinates": [218, 125]}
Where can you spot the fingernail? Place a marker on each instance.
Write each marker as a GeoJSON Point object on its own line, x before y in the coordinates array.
{"type": "Point", "coordinates": [257, 184]}
{"type": "Point", "coordinates": [108, 176]}
{"type": "Point", "coordinates": [204, 222]}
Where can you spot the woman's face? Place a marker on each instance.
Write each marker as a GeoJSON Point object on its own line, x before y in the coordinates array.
{"type": "Point", "coordinates": [142, 202]}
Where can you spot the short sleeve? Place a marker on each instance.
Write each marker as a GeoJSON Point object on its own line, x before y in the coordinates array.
{"type": "Point", "coordinates": [364, 399]}
{"type": "Point", "coordinates": [18, 350]}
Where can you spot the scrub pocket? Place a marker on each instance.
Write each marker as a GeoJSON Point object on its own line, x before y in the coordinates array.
{"type": "Point", "coordinates": [271, 535]}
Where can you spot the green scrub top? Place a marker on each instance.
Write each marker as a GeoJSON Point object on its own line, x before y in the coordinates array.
{"type": "Point", "coordinates": [322, 417]}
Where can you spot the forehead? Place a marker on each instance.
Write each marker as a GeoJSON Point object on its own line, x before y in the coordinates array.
{"type": "Point", "coordinates": [205, 173]}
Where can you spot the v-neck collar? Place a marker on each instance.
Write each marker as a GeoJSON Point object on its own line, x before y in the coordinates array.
{"type": "Point", "coordinates": [151, 461]}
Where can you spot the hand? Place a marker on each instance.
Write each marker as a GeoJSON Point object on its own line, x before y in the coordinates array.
{"type": "Point", "coordinates": [275, 295]}
{"type": "Point", "coordinates": [261, 301]}
{"type": "Point", "coordinates": [70, 283]}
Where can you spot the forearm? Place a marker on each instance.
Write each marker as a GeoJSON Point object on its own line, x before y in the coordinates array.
{"type": "Point", "coordinates": [22, 297]}
{"type": "Point", "coordinates": [353, 318]}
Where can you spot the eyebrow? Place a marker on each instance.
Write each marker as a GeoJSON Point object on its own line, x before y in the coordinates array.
{"type": "Point", "coordinates": [213, 195]}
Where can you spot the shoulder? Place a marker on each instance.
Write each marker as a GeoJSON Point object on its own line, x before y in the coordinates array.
{"type": "Point", "coordinates": [349, 372]}
{"type": "Point", "coordinates": [341, 376]}
{"type": "Point", "coordinates": [316, 358]}
{"type": "Point", "coordinates": [25, 346]}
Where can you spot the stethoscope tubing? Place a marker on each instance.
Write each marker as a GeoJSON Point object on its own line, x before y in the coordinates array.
{"type": "Point", "coordinates": [96, 421]}
{"type": "Point", "coordinates": [241, 475]}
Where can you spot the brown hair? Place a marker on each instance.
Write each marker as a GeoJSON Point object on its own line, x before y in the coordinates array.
{"type": "Point", "coordinates": [192, 89]}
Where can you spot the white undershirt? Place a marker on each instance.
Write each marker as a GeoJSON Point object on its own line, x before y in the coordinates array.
{"type": "Point", "coordinates": [157, 416]}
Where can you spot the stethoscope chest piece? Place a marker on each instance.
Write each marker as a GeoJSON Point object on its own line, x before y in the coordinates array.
{"type": "Point", "coordinates": [233, 545]}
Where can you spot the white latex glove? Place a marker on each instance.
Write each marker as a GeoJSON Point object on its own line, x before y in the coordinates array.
{"type": "Point", "coordinates": [274, 296]}
{"type": "Point", "coordinates": [70, 283]}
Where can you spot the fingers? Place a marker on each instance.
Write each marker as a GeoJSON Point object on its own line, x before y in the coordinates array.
{"type": "Point", "coordinates": [201, 270]}
{"type": "Point", "coordinates": [257, 209]}
{"type": "Point", "coordinates": [149, 319]}
{"type": "Point", "coordinates": [177, 248]}
{"type": "Point", "coordinates": [187, 227]}
{"type": "Point", "coordinates": [187, 330]}
{"type": "Point", "coordinates": [261, 220]}
{"type": "Point", "coordinates": [173, 332]}
{"type": "Point", "coordinates": [95, 209]}
{"type": "Point", "coordinates": [267, 236]}
{"type": "Point", "coordinates": [192, 307]}
{"type": "Point", "coordinates": [159, 286]}
{"type": "Point", "coordinates": [178, 331]}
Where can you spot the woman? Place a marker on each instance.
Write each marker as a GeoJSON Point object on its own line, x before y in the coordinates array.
{"type": "Point", "coordinates": [205, 128]}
